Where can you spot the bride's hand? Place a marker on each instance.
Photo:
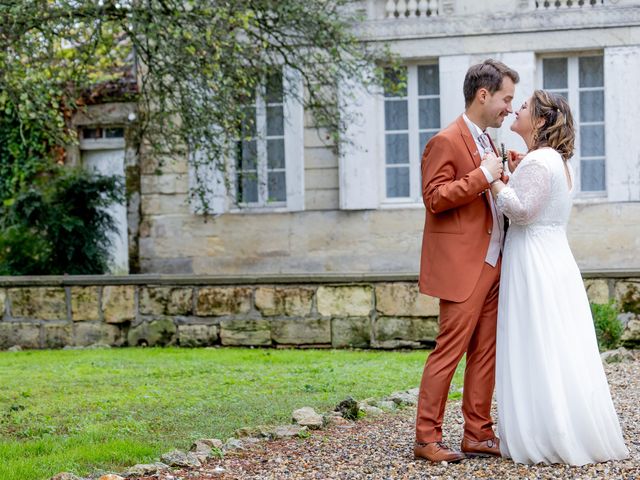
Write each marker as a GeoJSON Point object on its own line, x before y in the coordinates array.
{"type": "Point", "coordinates": [496, 186]}
{"type": "Point", "coordinates": [513, 159]}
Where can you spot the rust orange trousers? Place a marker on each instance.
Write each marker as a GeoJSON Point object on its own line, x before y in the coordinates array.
{"type": "Point", "coordinates": [470, 327]}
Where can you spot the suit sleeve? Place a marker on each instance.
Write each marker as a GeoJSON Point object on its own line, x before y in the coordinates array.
{"type": "Point", "coordinates": [440, 165]}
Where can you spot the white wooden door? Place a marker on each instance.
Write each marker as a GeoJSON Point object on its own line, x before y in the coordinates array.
{"type": "Point", "coordinates": [110, 161]}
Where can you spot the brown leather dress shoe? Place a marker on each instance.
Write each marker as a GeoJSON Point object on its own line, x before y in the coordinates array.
{"type": "Point", "coordinates": [486, 448]}
{"type": "Point", "coordinates": [437, 452]}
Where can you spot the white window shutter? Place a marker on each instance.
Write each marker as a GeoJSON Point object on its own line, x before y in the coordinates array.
{"type": "Point", "coordinates": [358, 164]}
{"type": "Point", "coordinates": [294, 139]}
{"type": "Point", "coordinates": [211, 175]}
{"type": "Point", "coordinates": [622, 165]}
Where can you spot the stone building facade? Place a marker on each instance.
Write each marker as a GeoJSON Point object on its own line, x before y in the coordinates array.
{"type": "Point", "coordinates": [305, 209]}
{"type": "Point", "coordinates": [311, 248]}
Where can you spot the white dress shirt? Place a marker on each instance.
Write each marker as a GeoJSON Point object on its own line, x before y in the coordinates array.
{"type": "Point", "coordinates": [497, 234]}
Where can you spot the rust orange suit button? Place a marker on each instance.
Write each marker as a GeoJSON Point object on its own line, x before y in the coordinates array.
{"type": "Point", "coordinates": [489, 231]}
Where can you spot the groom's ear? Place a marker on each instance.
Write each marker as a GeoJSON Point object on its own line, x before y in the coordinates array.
{"type": "Point", "coordinates": [482, 95]}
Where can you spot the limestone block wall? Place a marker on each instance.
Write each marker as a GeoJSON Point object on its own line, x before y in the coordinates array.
{"type": "Point", "coordinates": [331, 311]}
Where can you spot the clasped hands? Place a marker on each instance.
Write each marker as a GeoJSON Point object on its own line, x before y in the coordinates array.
{"type": "Point", "coordinates": [495, 166]}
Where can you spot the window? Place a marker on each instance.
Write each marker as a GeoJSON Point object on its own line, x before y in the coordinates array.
{"type": "Point", "coordinates": [580, 80]}
{"type": "Point", "coordinates": [411, 118]}
{"type": "Point", "coordinates": [260, 177]}
{"type": "Point", "coordinates": [266, 170]}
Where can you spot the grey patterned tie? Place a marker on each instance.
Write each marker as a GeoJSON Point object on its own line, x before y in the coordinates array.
{"type": "Point", "coordinates": [485, 141]}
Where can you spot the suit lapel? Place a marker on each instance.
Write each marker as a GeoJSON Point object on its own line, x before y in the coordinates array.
{"type": "Point", "coordinates": [469, 142]}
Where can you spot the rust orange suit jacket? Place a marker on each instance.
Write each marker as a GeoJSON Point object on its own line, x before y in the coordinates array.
{"type": "Point", "coordinates": [458, 219]}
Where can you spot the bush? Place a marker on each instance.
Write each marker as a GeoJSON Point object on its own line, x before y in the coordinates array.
{"type": "Point", "coordinates": [59, 224]}
{"type": "Point", "coordinates": [25, 150]}
{"type": "Point", "coordinates": [608, 327]}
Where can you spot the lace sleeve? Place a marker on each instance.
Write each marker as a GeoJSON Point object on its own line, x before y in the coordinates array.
{"type": "Point", "coordinates": [523, 201]}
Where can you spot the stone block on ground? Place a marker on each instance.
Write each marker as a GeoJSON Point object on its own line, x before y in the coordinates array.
{"type": "Point", "coordinates": [153, 300]}
{"type": "Point", "coordinates": [206, 448]}
{"type": "Point", "coordinates": [291, 301]}
{"type": "Point", "coordinates": [65, 476]}
{"type": "Point", "coordinates": [253, 432]}
{"type": "Point", "coordinates": [386, 405]}
{"type": "Point", "coordinates": [165, 301]}
{"type": "Point", "coordinates": [159, 332]}
{"type": "Point", "coordinates": [352, 332]}
{"type": "Point", "coordinates": [23, 334]}
{"type": "Point", "coordinates": [118, 303]}
{"type": "Point", "coordinates": [345, 301]}
{"type": "Point", "coordinates": [197, 335]}
{"type": "Point", "coordinates": [206, 442]}
{"type": "Point", "coordinates": [631, 333]}
{"type": "Point", "coordinates": [144, 469]}
{"type": "Point", "coordinates": [404, 299]}
{"type": "Point", "coordinates": [406, 398]}
{"type": "Point", "coordinates": [86, 334]}
{"type": "Point", "coordinates": [233, 444]}
{"type": "Point", "coordinates": [57, 335]}
{"type": "Point", "coordinates": [180, 301]}
{"type": "Point", "coordinates": [348, 408]}
{"type": "Point", "coordinates": [223, 301]}
{"type": "Point", "coordinates": [627, 294]}
{"type": "Point", "coordinates": [307, 417]}
{"type": "Point", "coordinates": [371, 411]}
{"type": "Point", "coordinates": [3, 302]}
{"type": "Point", "coordinates": [597, 290]}
{"type": "Point", "coordinates": [618, 355]}
{"type": "Point", "coordinates": [84, 304]}
{"type": "Point", "coordinates": [403, 329]}
{"type": "Point", "coordinates": [269, 301]}
{"type": "Point", "coordinates": [41, 303]}
{"type": "Point", "coordinates": [301, 331]}
{"type": "Point", "coordinates": [334, 418]}
{"type": "Point", "coordinates": [288, 431]}
{"type": "Point", "coordinates": [246, 332]}
{"type": "Point", "coordinates": [177, 458]}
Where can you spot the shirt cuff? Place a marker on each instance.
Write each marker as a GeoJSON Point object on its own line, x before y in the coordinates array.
{"type": "Point", "coordinates": [486, 174]}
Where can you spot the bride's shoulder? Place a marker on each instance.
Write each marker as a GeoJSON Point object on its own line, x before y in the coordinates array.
{"type": "Point", "coordinates": [541, 156]}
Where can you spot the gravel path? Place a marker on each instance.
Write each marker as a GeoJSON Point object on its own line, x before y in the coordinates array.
{"type": "Point", "coordinates": [381, 448]}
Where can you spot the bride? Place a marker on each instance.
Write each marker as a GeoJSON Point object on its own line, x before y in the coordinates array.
{"type": "Point", "coordinates": [554, 404]}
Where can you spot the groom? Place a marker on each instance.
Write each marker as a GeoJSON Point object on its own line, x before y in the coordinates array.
{"type": "Point", "coordinates": [460, 264]}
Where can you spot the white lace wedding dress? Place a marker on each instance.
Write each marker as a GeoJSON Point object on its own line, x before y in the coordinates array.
{"type": "Point", "coordinates": [554, 404]}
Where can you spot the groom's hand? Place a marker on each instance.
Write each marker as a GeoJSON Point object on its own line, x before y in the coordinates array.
{"type": "Point", "coordinates": [493, 164]}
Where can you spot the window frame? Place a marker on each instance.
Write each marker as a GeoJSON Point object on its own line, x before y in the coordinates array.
{"type": "Point", "coordinates": [415, 154]}
{"type": "Point", "coordinates": [261, 138]}
{"type": "Point", "coordinates": [222, 198]}
{"type": "Point", "coordinates": [573, 93]}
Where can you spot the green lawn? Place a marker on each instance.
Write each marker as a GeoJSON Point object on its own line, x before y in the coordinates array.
{"type": "Point", "coordinates": [88, 410]}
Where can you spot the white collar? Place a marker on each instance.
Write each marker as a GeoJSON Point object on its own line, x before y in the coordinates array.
{"type": "Point", "coordinates": [470, 123]}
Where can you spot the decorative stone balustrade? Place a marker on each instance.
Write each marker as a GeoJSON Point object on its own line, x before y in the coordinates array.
{"type": "Point", "coordinates": [413, 8]}
{"type": "Point", "coordinates": [564, 4]}
{"type": "Point", "coordinates": [339, 311]}
{"type": "Point", "coordinates": [406, 9]}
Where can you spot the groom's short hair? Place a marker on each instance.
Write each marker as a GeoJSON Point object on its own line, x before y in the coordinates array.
{"type": "Point", "coordinates": [489, 75]}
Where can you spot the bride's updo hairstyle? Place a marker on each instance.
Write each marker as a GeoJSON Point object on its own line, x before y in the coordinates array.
{"type": "Point", "coordinates": [557, 131]}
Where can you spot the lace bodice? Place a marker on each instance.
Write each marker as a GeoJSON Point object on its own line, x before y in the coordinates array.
{"type": "Point", "coordinates": [537, 193]}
